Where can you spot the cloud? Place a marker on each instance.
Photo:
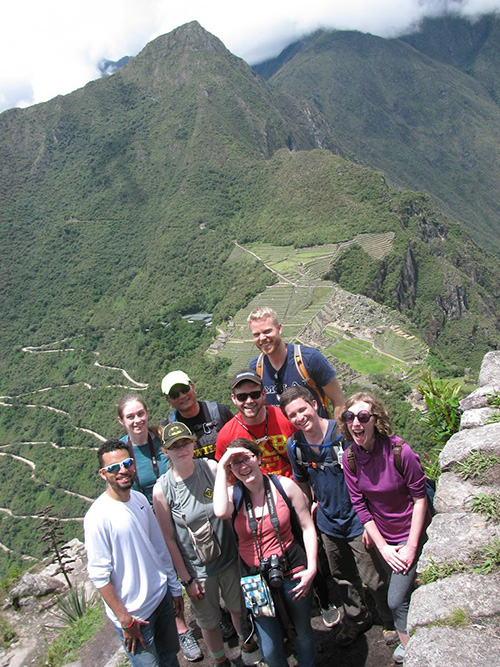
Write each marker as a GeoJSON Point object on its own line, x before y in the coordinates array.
{"type": "Point", "coordinates": [55, 46]}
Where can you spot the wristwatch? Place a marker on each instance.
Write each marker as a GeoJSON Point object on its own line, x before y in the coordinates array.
{"type": "Point", "coordinates": [187, 582]}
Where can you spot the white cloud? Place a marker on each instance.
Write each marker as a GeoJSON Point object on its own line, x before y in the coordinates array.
{"type": "Point", "coordinates": [53, 47]}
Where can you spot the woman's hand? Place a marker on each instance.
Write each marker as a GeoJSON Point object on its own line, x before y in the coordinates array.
{"type": "Point", "coordinates": [394, 558]}
{"type": "Point", "coordinates": [305, 577]}
{"type": "Point", "coordinates": [367, 540]}
{"type": "Point", "coordinates": [195, 590]}
{"type": "Point", "coordinates": [408, 554]}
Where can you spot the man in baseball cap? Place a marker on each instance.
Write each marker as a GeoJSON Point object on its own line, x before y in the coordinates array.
{"type": "Point", "coordinates": [204, 418]}
{"type": "Point", "coordinates": [265, 425]}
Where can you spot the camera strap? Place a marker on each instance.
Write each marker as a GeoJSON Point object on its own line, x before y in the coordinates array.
{"type": "Point", "coordinates": [252, 521]}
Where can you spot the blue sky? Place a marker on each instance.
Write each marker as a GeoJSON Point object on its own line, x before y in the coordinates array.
{"type": "Point", "coordinates": [52, 47]}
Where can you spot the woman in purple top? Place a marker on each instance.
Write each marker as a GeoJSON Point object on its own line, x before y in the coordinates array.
{"type": "Point", "coordinates": [391, 505]}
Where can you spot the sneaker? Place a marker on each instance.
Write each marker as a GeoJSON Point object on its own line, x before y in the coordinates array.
{"type": "Point", "coordinates": [399, 655]}
{"type": "Point", "coordinates": [390, 635]}
{"type": "Point", "coordinates": [226, 626]}
{"type": "Point", "coordinates": [349, 632]}
{"type": "Point", "coordinates": [189, 646]}
{"type": "Point", "coordinates": [331, 616]}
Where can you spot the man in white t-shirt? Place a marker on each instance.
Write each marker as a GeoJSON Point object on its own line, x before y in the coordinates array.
{"type": "Point", "coordinates": [130, 565]}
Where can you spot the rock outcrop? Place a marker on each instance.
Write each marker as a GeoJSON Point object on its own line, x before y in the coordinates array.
{"type": "Point", "coordinates": [456, 620]}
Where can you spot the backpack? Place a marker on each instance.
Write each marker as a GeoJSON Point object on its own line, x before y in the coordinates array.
{"type": "Point", "coordinates": [206, 433]}
{"type": "Point", "coordinates": [338, 450]}
{"type": "Point", "coordinates": [396, 449]}
{"type": "Point", "coordinates": [302, 371]}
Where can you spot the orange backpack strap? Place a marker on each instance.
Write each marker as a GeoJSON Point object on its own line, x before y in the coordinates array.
{"type": "Point", "coordinates": [259, 366]}
{"type": "Point", "coordinates": [302, 370]}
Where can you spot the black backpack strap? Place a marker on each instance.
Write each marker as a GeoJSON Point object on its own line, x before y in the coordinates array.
{"type": "Point", "coordinates": [294, 519]}
{"type": "Point", "coordinates": [237, 500]}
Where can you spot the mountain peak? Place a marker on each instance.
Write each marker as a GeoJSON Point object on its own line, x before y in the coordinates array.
{"type": "Point", "coordinates": [190, 36]}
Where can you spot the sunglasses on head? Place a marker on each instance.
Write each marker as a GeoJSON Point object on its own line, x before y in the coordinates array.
{"type": "Point", "coordinates": [115, 467]}
{"type": "Point", "coordinates": [242, 397]}
{"type": "Point", "coordinates": [179, 389]}
{"type": "Point", "coordinates": [363, 416]}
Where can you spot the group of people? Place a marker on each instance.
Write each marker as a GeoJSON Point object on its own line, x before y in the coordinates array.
{"type": "Point", "coordinates": [243, 511]}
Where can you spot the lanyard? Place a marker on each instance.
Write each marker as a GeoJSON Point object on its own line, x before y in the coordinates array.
{"type": "Point", "coordinates": [252, 521]}
{"type": "Point", "coordinates": [152, 455]}
{"type": "Point", "coordinates": [264, 439]}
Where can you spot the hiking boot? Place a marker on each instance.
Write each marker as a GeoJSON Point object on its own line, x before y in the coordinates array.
{"type": "Point", "coordinates": [350, 631]}
{"type": "Point", "coordinates": [399, 654]}
{"type": "Point", "coordinates": [226, 625]}
{"type": "Point", "coordinates": [250, 647]}
{"type": "Point", "coordinates": [331, 616]}
{"type": "Point", "coordinates": [189, 646]}
{"type": "Point", "coordinates": [251, 653]}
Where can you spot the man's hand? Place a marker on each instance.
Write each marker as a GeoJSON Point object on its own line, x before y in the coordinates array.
{"type": "Point", "coordinates": [178, 605]}
{"type": "Point", "coordinates": [133, 635]}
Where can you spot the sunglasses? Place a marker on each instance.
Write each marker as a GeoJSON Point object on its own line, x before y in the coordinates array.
{"type": "Point", "coordinates": [363, 416]}
{"type": "Point", "coordinates": [278, 382]}
{"type": "Point", "coordinates": [236, 465]}
{"type": "Point", "coordinates": [242, 397]}
{"type": "Point", "coordinates": [180, 389]}
{"type": "Point", "coordinates": [115, 467]}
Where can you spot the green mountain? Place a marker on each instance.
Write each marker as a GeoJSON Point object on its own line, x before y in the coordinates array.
{"type": "Point", "coordinates": [422, 108]}
{"type": "Point", "coordinates": [122, 204]}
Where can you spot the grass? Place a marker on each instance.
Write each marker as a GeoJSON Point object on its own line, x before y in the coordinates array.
{"type": "Point", "coordinates": [67, 645]}
{"type": "Point", "coordinates": [475, 464]}
{"type": "Point", "coordinates": [436, 571]}
{"type": "Point", "coordinates": [487, 504]}
{"type": "Point", "coordinates": [487, 558]}
{"type": "Point", "coordinates": [7, 634]}
{"type": "Point", "coordinates": [363, 358]}
{"type": "Point", "coordinates": [457, 618]}
{"type": "Point", "coordinates": [483, 560]}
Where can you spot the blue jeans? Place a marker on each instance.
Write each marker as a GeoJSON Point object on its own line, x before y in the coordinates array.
{"type": "Point", "coordinates": [160, 636]}
{"type": "Point", "coordinates": [270, 632]}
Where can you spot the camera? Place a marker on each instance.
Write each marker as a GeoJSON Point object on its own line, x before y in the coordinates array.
{"type": "Point", "coordinates": [272, 568]}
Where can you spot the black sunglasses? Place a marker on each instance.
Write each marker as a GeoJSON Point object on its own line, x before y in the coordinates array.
{"type": "Point", "coordinates": [242, 397]}
{"type": "Point", "coordinates": [363, 416]}
{"type": "Point", "coordinates": [179, 389]}
{"type": "Point", "coordinates": [279, 383]}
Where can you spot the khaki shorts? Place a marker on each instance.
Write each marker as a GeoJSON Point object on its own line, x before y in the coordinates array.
{"type": "Point", "coordinates": [225, 585]}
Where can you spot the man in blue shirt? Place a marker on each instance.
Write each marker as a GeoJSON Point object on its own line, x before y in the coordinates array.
{"type": "Point", "coordinates": [282, 365]}
{"type": "Point", "coordinates": [315, 452]}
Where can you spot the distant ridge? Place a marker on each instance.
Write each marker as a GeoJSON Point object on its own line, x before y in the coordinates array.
{"type": "Point", "coordinates": [423, 108]}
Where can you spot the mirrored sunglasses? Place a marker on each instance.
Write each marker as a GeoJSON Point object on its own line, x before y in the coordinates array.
{"type": "Point", "coordinates": [115, 467]}
{"type": "Point", "coordinates": [363, 416]}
